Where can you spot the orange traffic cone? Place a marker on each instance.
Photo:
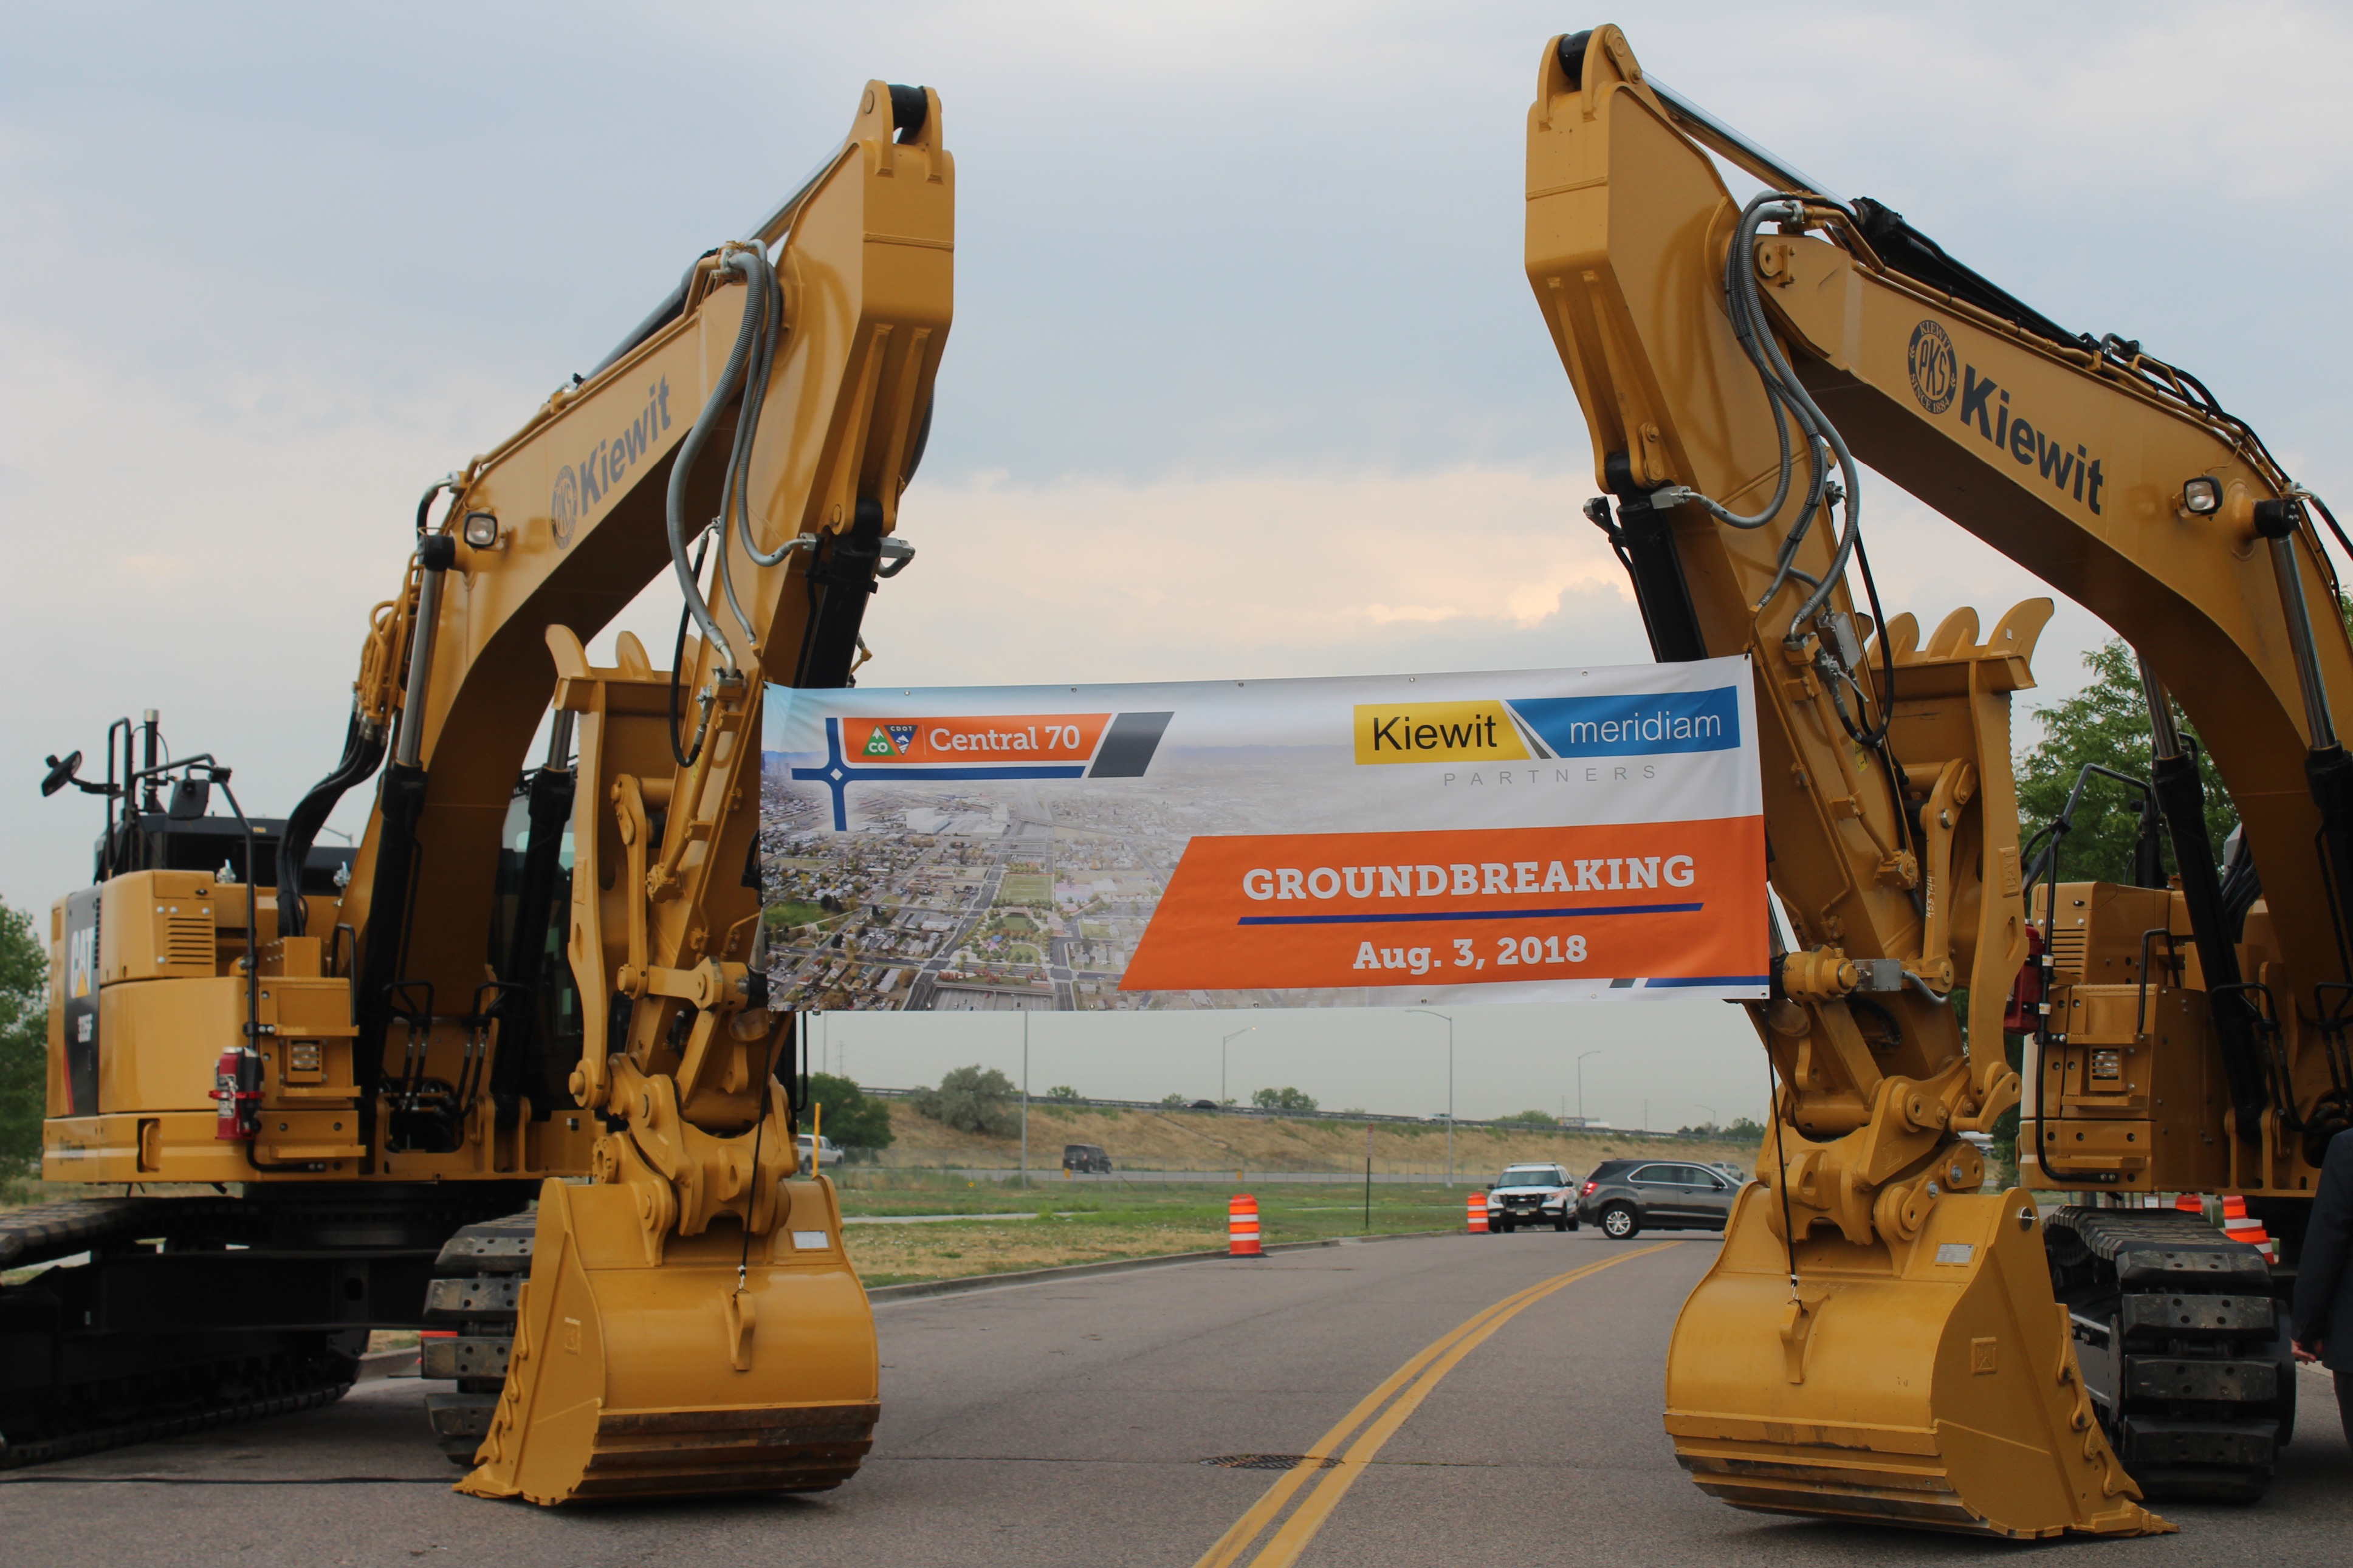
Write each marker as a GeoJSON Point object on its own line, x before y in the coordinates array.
{"type": "Point", "coordinates": [2239, 1226]}
{"type": "Point", "coordinates": [1241, 1227]}
{"type": "Point", "coordinates": [1477, 1214]}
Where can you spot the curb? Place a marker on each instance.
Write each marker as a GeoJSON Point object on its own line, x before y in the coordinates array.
{"type": "Point", "coordinates": [917, 1289]}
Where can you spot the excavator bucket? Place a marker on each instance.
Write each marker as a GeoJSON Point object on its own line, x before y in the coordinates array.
{"type": "Point", "coordinates": [1928, 1383]}
{"type": "Point", "coordinates": [641, 1368]}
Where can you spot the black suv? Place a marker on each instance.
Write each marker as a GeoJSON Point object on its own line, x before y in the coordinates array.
{"type": "Point", "coordinates": [1085, 1157]}
{"type": "Point", "coordinates": [1627, 1196]}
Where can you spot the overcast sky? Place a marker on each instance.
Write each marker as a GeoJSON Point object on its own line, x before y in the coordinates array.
{"type": "Point", "coordinates": [1245, 377]}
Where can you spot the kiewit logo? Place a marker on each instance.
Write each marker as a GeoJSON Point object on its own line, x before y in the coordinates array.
{"type": "Point", "coordinates": [2075, 474]}
{"type": "Point", "coordinates": [1933, 367]}
{"type": "Point", "coordinates": [580, 487]}
{"type": "Point", "coordinates": [1436, 732]}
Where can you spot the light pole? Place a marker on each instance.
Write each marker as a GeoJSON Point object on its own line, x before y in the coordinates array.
{"type": "Point", "coordinates": [1229, 1040]}
{"type": "Point", "coordinates": [1025, 1097]}
{"type": "Point", "coordinates": [1450, 1089]}
{"type": "Point", "coordinates": [1580, 1085]}
{"type": "Point", "coordinates": [1711, 1121]}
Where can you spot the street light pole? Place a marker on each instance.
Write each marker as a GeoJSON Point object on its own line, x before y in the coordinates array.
{"type": "Point", "coordinates": [1025, 1097]}
{"type": "Point", "coordinates": [1580, 1085]}
{"type": "Point", "coordinates": [1229, 1040]}
{"type": "Point", "coordinates": [1450, 1089]}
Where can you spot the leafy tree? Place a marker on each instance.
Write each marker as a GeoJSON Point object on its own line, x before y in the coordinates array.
{"type": "Point", "coordinates": [971, 1099]}
{"type": "Point", "coordinates": [1529, 1119]}
{"type": "Point", "coordinates": [852, 1117]}
{"type": "Point", "coordinates": [2107, 723]}
{"type": "Point", "coordinates": [1175, 1101]}
{"type": "Point", "coordinates": [23, 1044]}
{"type": "Point", "coordinates": [1283, 1099]}
{"type": "Point", "coordinates": [1061, 1091]}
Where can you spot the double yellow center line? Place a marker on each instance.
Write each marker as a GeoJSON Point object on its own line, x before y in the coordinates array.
{"type": "Point", "coordinates": [1423, 1373]}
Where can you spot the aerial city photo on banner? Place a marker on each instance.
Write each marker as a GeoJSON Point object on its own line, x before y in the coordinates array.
{"type": "Point", "coordinates": [1507, 836]}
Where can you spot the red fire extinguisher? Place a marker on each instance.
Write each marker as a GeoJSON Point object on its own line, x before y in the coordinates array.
{"type": "Point", "coordinates": [237, 1094]}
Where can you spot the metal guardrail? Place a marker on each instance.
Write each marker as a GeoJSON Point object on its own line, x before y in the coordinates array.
{"type": "Point", "coordinates": [1351, 1117]}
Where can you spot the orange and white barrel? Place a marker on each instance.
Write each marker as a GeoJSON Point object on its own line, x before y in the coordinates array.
{"type": "Point", "coordinates": [2190, 1203]}
{"type": "Point", "coordinates": [1241, 1227]}
{"type": "Point", "coordinates": [1476, 1214]}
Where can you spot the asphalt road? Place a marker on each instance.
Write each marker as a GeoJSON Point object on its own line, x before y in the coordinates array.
{"type": "Point", "coordinates": [1066, 1423]}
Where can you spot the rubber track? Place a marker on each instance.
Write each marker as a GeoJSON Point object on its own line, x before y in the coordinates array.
{"type": "Point", "coordinates": [16, 1456]}
{"type": "Point", "coordinates": [473, 1291]}
{"type": "Point", "coordinates": [2183, 1344]}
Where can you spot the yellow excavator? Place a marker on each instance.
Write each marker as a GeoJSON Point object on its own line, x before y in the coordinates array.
{"type": "Point", "coordinates": [323, 1088]}
{"type": "Point", "coordinates": [1880, 1338]}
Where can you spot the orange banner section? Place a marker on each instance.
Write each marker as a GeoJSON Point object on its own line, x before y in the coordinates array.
{"type": "Point", "coordinates": [975, 737]}
{"type": "Point", "coordinates": [1657, 901]}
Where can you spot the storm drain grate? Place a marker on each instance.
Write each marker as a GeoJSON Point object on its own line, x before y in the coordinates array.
{"type": "Point", "coordinates": [1270, 1462]}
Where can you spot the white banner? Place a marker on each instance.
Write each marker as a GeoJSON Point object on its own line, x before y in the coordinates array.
{"type": "Point", "coordinates": [1518, 835]}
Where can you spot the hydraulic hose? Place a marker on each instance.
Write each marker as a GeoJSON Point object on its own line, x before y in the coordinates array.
{"type": "Point", "coordinates": [753, 266]}
{"type": "Point", "coordinates": [362, 753]}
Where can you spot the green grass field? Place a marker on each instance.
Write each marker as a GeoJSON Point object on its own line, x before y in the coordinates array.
{"type": "Point", "coordinates": [1024, 888]}
{"type": "Point", "coordinates": [1094, 1222]}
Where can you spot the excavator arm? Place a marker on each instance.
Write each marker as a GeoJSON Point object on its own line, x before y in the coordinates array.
{"type": "Point", "coordinates": [1881, 1340]}
{"type": "Point", "coordinates": [690, 1323]}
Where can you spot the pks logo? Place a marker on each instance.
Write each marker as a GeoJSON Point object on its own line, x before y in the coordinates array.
{"type": "Point", "coordinates": [1934, 368]}
{"type": "Point", "coordinates": [564, 507]}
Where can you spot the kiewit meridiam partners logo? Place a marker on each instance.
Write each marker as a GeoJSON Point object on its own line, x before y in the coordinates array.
{"type": "Point", "coordinates": [1524, 729]}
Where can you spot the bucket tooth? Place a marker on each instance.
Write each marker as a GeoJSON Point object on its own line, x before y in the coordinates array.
{"type": "Point", "coordinates": [1931, 1383]}
{"type": "Point", "coordinates": [640, 1368]}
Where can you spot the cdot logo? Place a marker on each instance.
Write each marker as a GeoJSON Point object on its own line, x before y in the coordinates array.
{"type": "Point", "coordinates": [564, 507]}
{"type": "Point", "coordinates": [1933, 367]}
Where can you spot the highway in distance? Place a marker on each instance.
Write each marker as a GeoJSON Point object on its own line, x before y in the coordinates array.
{"type": "Point", "coordinates": [1500, 1395]}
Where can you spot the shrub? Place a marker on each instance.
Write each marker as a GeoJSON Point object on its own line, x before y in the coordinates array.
{"type": "Point", "coordinates": [23, 1044]}
{"type": "Point", "coordinates": [1283, 1099]}
{"type": "Point", "coordinates": [971, 1099]}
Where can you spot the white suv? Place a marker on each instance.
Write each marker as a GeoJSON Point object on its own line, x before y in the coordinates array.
{"type": "Point", "coordinates": [1531, 1196]}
